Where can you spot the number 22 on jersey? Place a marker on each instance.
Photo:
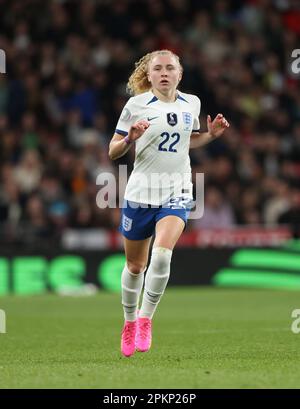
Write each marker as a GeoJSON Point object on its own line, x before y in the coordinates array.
{"type": "Point", "coordinates": [173, 139]}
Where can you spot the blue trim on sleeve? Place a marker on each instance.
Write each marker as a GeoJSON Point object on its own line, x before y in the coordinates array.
{"type": "Point", "coordinates": [123, 133]}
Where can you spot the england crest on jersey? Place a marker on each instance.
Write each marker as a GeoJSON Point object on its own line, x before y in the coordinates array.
{"type": "Point", "coordinates": [187, 120]}
{"type": "Point", "coordinates": [127, 223]}
{"type": "Point", "coordinates": [172, 118]}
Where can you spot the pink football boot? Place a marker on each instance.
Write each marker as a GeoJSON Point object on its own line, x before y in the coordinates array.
{"type": "Point", "coordinates": [128, 338]}
{"type": "Point", "coordinates": [143, 334]}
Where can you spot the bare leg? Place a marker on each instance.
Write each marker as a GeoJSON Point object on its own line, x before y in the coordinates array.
{"type": "Point", "coordinates": [168, 230]}
{"type": "Point", "coordinates": [136, 252]}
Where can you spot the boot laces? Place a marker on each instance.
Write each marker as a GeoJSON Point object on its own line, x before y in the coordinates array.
{"type": "Point", "coordinates": [128, 333]}
{"type": "Point", "coordinates": [144, 329]}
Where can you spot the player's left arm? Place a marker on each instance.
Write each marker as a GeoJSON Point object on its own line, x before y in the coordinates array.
{"type": "Point", "coordinates": [215, 129]}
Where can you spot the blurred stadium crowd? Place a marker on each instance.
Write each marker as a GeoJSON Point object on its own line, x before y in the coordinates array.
{"type": "Point", "coordinates": [67, 67]}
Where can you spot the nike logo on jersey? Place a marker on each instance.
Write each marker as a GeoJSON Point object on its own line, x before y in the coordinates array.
{"type": "Point", "coordinates": [151, 119]}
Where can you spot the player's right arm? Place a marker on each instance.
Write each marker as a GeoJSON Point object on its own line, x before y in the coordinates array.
{"type": "Point", "coordinates": [119, 145]}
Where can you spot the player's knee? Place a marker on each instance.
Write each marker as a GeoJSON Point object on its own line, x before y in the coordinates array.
{"type": "Point", "coordinates": [161, 258]}
{"type": "Point", "coordinates": [136, 267]}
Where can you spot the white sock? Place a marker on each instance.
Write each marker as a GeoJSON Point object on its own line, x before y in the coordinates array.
{"type": "Point", "coordinates": [156, 280]}
{"type": "Point", "coordinates": [132, 285]}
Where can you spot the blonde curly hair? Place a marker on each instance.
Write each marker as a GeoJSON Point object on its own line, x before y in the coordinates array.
{"type": "Point", "coordinates": [138, 80]}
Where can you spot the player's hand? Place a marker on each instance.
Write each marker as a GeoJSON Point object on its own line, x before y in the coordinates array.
{"type": "Point", "coordinates": [217, 126]}
{"type": "Point", "coordinates": [137, 129]}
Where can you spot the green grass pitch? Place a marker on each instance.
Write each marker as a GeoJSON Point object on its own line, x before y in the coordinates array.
{"type": "Point", "coordinates": [202, 338]}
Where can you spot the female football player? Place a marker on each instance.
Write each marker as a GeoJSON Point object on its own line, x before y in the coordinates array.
{"type": "Point", "coordinates": [163, 123]}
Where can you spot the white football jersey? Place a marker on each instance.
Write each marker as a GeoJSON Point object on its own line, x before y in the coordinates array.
{"type": "Point", "coordinates": [162, 164]}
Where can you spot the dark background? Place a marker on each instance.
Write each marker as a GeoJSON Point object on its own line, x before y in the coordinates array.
{"type": "Point", "coordinates": [67, 67]}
